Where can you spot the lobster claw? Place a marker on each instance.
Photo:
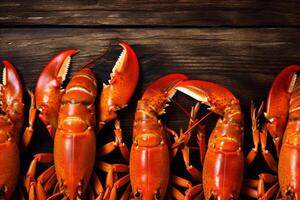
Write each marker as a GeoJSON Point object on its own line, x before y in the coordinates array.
{"type": "Point", "coordinates": [11, 95]}
{"type": "Point", "coordinates": [123, 81]}
{"type": "Point", "coordinates": [217, 97]}
{"type": "Point", "coordinates": [48, 93]}
{"type": "Point", "coordinates": [160, 91]}
{"type": "Point", "coordinates": [278, 103]}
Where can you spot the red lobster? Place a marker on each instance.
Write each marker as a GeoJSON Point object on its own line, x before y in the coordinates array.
{"type": "Point", "coordinates": [223, 165]}
{"type": "Point", "coordinates": [151, 151]}
{"type": "Point", "coordinates": [11, 122]}
{"type": "Point", "coordinates": [283, 124]}
{"type": "Point", "coordinates": [71, 120]}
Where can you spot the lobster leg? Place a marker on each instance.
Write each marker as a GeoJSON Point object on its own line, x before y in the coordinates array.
{"type": "Point", "coordinates": [29, 130]}
{"type": "Point", "coordinates": [38, 158]}
{"type": "Point", "coordinates": [202, 144]}
{"type": "Point", "coordinates": [180, 181]}
{"type": "Point", "coordinates": [126, 193]}
{"type": "Point", "coordinates": [118, 184]}
{"type": "Point", "coordinates": [56, 195]}
{"type": "Point", "coordinates": [194, 172]}
{"type": "Point", "coordinates": [41, 190]}
{"type": "Point", "coordinates": [193, 191]}
{"type": "Point", "coordinates": [176, 180]}
{"type": "Point", "coordinates": [37, 190]}
{"type": "Point", "coordinates": [248, 190]}
{"type": "Point", "coordinates": [175, 193]}
{"type": "Point", "coordinates": [183, 139]}
{"type": "Point", "coordinates": [111, 170]}
{"type": "Point", "coordinates": [259, 137]}
{"type": "Point", "coordinates": [255, 135]}
{"type": "Point", "coordinates": [51, 182]}
{"type": "Point", "coordinates": [267, 155]}
{"type": "Point", "coordinates": [260, 191]}
{"type": "Point", "coordinates": [97, 185]}
{"type": "Point", "coordinates": [111, 146]}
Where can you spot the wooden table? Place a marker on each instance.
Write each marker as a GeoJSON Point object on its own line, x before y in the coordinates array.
{"type": "Point", "coordinates": [239, 44]}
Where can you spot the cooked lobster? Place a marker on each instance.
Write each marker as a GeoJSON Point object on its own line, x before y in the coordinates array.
{"type": "Point", "coordinates": [69, 115]}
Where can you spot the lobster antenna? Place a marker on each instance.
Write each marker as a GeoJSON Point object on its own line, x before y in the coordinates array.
{"type": "Point", "coordinates": [97, 59]}
{"type": "Point", "coordinates": [183, 109]}
{"type": "Point", "coordinates": [180, 107]}
{"type": "Point", "coordinates": [187, 113]}
{"type": "Point", "coordinates": [197, 122]}
{"type": "Point", "coordinates": [193, 126]}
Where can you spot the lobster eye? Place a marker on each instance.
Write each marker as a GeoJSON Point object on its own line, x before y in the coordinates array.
{"type": "Point", "coordinates": [157, 195]}
{"type": "Point", "coordinates": [137, 194]}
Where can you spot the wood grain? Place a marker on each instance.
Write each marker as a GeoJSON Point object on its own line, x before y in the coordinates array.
{"type": "Point", "coordinates": [244, 60]}
{"type": "Point", "coordinates": [150, 13]}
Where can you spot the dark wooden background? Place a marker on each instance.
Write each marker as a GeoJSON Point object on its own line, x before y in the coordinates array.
{"type": "Point", "coordinates": [239, 44]}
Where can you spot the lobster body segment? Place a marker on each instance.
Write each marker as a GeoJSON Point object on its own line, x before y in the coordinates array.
{"type": "Point", "coordinates": [75, 139]}
{"type": "Point", "coordinates": [224, 161]}
{"type": "Point", "coordinates": [150, 156]}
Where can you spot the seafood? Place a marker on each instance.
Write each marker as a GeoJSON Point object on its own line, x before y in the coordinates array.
{"type": "Point", "coordinates": [69, 115]}
{"type": "Point", "coordinates": [11, 122]}
{"type": "Point", "coordinates": [282, 115]}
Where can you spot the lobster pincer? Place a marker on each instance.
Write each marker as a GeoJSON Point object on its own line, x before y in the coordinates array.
{"type": "Point", "coordinates": [117, 93]}
{"type": "Point", "coordinates": [48, 91]}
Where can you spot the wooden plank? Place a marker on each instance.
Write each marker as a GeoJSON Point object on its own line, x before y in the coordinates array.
{"type": "Point", "coordinates": [150, 13]}
{"type": "Point", "coordinates": [244, 60]}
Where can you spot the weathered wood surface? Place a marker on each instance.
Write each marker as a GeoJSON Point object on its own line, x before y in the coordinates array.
{"type": "Point", "coordinates": [244, 60]}
{"type": "Point", "coordinates": [239, 44]}
{"type": "Point", "coordinates": [150, 13]}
